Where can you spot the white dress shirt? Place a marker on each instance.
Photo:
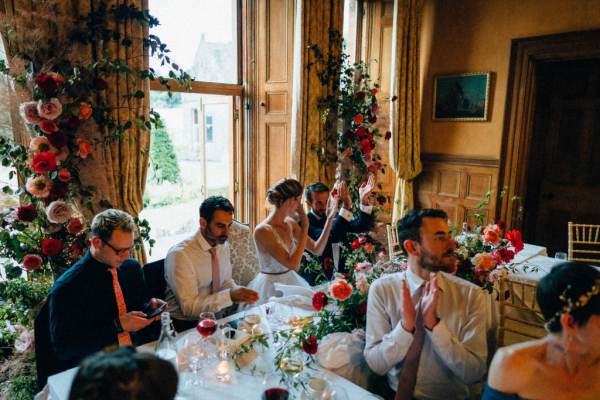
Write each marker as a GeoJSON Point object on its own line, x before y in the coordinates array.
{"type": "Point", "coordinates": [188, 272]}
{"type": "Point", "coordinates": [455, 351]}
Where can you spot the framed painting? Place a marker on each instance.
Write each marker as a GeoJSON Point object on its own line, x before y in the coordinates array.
{"type": "Point", "coordinates": [461, 97]}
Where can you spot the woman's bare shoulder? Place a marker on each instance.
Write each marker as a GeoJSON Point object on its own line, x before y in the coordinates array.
{"type": "Point", "coordinates": [513, 366]}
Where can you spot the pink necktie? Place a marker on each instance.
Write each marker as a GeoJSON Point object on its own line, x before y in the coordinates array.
{"type": "Point", "coordinates": [216, 274]}
{"type": "Point", "coordinates": [124, 338]}
{"type": "Point", "coordinates": [407, 378]}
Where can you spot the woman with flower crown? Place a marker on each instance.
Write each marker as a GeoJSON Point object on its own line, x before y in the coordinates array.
{"type": "Point", "coordinates": [566, 363]}
{"type": "Point", "coordinates": [281, 240]}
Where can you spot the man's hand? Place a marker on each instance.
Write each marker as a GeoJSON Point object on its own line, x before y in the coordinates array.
{"type": "Point", "coordinates": [429, 302]}
{"type": "Point", "coordinates": [409, 315]}
{"type": "Point", "coordinates": [365, 189]}
{"type": "Point", "coordinates": [332, 206]}
{"type": "Point", "coordinates": [243, 295]}
{"type": "Point", "coordinates": [133, 321]}
{"type": "Point", "coordinates": [345, 195]}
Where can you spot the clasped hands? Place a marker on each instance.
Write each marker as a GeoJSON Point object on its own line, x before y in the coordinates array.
{"type": "Point", "coordinates": [340, 191]}
{"type": "Point", "coordinates": [428, 305]}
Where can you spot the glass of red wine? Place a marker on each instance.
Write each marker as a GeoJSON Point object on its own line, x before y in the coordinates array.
{"type": "Point", "coordinates": [207, 326]}
{"type": "Point", "coordinates": [275, 393]}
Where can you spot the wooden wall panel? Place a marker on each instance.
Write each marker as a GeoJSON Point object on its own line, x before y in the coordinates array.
{"type": "Point", "coordinates": [458, 185]}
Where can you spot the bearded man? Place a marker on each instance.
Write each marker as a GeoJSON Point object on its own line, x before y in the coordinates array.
{"type": "Point", "coordinates": [426, 329]}
{"type": "Point", "coordinates": [198, 269]}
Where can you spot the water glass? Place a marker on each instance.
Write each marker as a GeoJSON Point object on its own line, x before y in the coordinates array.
{"type": "Point", "coordinates": [560, 255]}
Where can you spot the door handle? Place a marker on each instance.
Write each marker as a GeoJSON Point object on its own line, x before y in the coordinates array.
{"type": "Point", "coordinates": [262, 104]}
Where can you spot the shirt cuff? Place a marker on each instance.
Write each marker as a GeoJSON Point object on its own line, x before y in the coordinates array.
{"type": "Point", "coordinates": [346, 214]}
{"type": "Point", "coordinates": [224, 299]}
{"type": "Point", "coordinates": [366, 209]}
{"type": "Point", "coordinates": [400, 335]}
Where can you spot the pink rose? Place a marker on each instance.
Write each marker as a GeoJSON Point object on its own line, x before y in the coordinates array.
{"type": "Point", "coordinates": [364, 266]}
{"type": "Point", "coordinates": [492, 234]}
{"type": "Point", "coordinates": [484, 262]}
{"type": "Point", "coordinates": [29, 112]}
{"type": "Point", "coordinates": [362, 284]}
{"type": "Point", "coordinates": [50, 110]}
{"type": "Point", "coordinates": [39, 186]}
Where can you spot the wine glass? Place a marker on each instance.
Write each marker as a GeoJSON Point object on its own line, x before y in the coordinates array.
{"type": "Point", "coordinates": [207, 326]}
{"type": "Point", "coordinates": [252, 321]}
{"type": "Point", "coordinates": [275, 393]}
{"type": "Point", "coordinates": [335, 250]}
{"type": "Point", "coordinates": [292, 365]}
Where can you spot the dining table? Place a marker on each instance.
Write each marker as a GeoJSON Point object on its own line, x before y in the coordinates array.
{"type": "Point", "coordinates": [247, 382]}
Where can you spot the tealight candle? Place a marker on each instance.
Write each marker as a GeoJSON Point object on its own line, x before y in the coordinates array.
{"type": "Point", "coordinates": [223, 374]}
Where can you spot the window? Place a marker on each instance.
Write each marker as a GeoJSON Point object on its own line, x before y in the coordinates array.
{"type": "Point", "coordinates": [6, 200]}
{"type": "Point", "coordinates": [195, 153]}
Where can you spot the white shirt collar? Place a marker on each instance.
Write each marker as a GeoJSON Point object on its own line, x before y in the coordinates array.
{"type": "Point", "coordinates": [415, 281]}
{"type": "Point", "coordinates": [204, 245]}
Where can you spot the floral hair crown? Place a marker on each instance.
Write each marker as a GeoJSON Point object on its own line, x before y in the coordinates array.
{"type": "Point", "coordinates": [570, 305]}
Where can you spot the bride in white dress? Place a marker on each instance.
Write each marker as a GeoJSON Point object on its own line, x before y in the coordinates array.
{"type": "Point", "coordinates": [281, 241]}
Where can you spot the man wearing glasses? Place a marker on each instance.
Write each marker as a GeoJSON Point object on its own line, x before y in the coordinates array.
{"type": "Point", "coordinates": [98, 302]}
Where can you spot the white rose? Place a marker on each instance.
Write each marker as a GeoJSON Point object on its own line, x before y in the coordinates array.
{"type": "Point", "coordinates": [50, 110]}
{"type": "Point", "coordinates": [58, 212]}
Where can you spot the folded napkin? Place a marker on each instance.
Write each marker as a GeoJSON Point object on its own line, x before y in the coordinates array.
{"type": "Point", "coordinates": [295, 300]}
{"type": "Point", "coordinates": [342, 353]}
{"type": "Point", "coordinates": [289, 290]}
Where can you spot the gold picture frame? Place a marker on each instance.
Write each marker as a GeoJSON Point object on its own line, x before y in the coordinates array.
{"type": "Point", "coordinates": [461, 97]}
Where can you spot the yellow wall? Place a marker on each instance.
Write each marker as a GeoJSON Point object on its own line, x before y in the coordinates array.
{"type": "Point", "coordinates": [475, 35]}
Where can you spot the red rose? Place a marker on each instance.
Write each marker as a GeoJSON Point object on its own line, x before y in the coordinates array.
{"type": "Point", "coordinates": [388, 135]}
{"type": "Point", "coordinates": [373, 119]}
{"type": "Point", "coordinates": [355, 244]}
{"type": "Point", "coordinates": [374, 91]}
{"type": "Point", "coordinates": [48, 82]}
{"type": "Point", "coordinates": [58, 191]}
{"type": "Point", "coordinates": [358, 119]}
{"type": "Point", "coordinates": [372, 168]}
{"type": "Point", "coordinates": [74, 226]}
{"type": "Point", "coordinates": [515, 239]}
{"type": "Point", "coordinates": [100, 84]}
{"type": "Point", "coordinates": [76, 249]}
{"type": "Point", "coordinates": [362, 307]}
{"type": "Point", "coordinates": [503, 255]}
{"type": "Point", "coordinates": [48, 127]}
{"type": "Point", "coordinates": [361, 132]}
{"type": "Point", "coordinates": [362, 239]}
{"type": "Point", "coordinates": [72, 122]}
{"type": "Point", "coordinates": [32, 262]}
{"type": "Point", "coordinates": [310, 345]}
{"type": "Point", "coordinates": [327, 263]}
{"type": "Point", "coordinates": [51, 247]}
{"type": "Point", "coordinates": [360, 95]}
{"type": "Point", "coordinates": [394, 98]}
{"type": "Point", "coordinates": [26, 213]}
{"type": "Point", "coordinates": [64, 175]}
{"type": "Point", "coordinates": [340, 289]}
{"type": "Point", "coordinates": [319, 300]}
{"type": "Point", "coordinates": [58, 140]}
{"type": "Point", "coordinates": [44, 162]}
{"type": "Point", "coordinates": [365, 146]}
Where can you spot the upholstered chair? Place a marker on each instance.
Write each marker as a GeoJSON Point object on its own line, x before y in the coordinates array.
{"type": "Point", "coordinates": [244, 263]}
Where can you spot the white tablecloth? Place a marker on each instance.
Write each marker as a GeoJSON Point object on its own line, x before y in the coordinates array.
{"type": "Point", "coordinates": [244, 385]}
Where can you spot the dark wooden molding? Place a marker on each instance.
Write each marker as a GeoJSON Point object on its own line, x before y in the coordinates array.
{"type": "Point", "coordinates": [526, 53]}
{"type": "Point", "coordinates": [460, 160]}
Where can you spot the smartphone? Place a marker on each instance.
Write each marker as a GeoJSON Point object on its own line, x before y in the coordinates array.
{"type": "Point", "coordinates": [153, 313]}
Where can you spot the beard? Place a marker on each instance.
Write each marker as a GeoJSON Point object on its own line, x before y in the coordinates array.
{"type": "Point", "coordinates": [433, 263]}
{"type": "Point", "coordinates": [210, 237]}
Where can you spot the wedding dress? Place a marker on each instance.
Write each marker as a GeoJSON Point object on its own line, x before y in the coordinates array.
{"type": "Point", "coordinates": [271, 272]}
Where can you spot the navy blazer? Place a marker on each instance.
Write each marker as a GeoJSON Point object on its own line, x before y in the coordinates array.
{"type": "Point", "coordinates": [83, 308]}
{"type": "Point", "coordinates": [340, 228]}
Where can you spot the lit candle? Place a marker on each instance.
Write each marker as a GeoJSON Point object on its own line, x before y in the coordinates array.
{"type": "Point", "coordinates": [223, 374]}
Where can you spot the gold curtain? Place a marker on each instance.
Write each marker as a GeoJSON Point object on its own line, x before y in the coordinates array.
{"type": "Point", "coordinates": [118, 167]}
{"type": "Point", "coordinates": [405, 113]}
{"type": "Point", "coordinates": [314, 20]}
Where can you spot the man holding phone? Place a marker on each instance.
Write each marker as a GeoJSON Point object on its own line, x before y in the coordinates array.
{"type": "Point", "coordinates": [101, 300]}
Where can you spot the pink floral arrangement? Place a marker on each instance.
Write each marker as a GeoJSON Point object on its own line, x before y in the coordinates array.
{"type": "Point", "coordinates": [483, 255]}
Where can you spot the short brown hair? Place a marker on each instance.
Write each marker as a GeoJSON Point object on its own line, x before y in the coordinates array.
{"type": "Point", "coordinates": [108, 221]}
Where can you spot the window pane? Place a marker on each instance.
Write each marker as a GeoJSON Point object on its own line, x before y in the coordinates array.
{"type": "Point", "coordinates": [6, 131]}
{"type": "Point", "coordinates": [202, 36]}
{"type": "Point", "coordinates": [349, 28]}
{"type": "Point", "coordinates": [185, 167]}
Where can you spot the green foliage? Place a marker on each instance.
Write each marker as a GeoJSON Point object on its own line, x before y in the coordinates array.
{"type": "Point", "coordinates": [23, 387]}
{"type": "Point", "coordinates": [163, 160]}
